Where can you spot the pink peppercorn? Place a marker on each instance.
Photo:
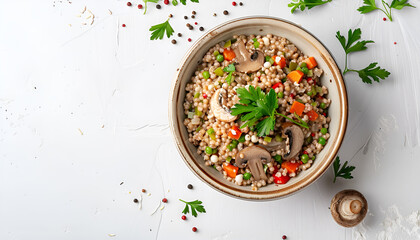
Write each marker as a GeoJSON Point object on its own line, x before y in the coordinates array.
{"type": "Point", "coordinates": [384, 19]}
{"type": "Point", "coordinates": [166, 2]}
{"type": "Point", "coordinates": [194, 229]}
{"type": "Point", "coordinates": [140, 6]}
{"type": "Point", "coordinates": [189, 39]}
{"type": "Point", "coordinates": [129, 4]}
{"type": "Point", "coordinates": [234, 3]}
{"type": "Point", "coordinates": [123, 25]}
{"type": "Point", "coordinates": [165, 200]}
{"type": "Point", "coordinates": [184, 217]}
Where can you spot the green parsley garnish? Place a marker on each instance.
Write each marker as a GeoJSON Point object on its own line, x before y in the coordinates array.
{"type": "Point", "coordinates": [195, 207]}
{"type": "Point", "coordinates": [158, 31]}
{"type": "Point", "coordinates": [145, 4]}
{"type": "Point", "coordinates": [370, 5]}
{"type": "Point", "coordinates": [230, 69]}
{"type": "Point", "coordinates": [344, 171]}
{"type": "Point", "coordinates": [256, 43]}
{"type": "Point", "coordinates": [259, 109]}
{"type": "Point", "coordinates": [369, 73]}
{"type": "Point", "coordinates": [302, 4]}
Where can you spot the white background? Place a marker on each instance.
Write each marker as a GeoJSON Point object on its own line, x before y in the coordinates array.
{"type": "Point", "coordinates": [113, 84]}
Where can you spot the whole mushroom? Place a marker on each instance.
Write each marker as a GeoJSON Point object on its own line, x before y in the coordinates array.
{"type": "Point", "coordinates": [254, 157]}
{"type": "Point", "coordinates": [348, 208]}
{"type": "Point", "coordinates": [246, 61]}
{"type": "Point", "coordinates": [296, 138]}
{"type": "Point", "coordinates": [219, 109]}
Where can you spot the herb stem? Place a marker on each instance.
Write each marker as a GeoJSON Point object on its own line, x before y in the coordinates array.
{"type": "Point", "coordinates": [346, 69]}
{"type": "Point", "coordinates": [293, 121]}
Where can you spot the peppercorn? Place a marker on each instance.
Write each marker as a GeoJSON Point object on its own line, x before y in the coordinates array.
{"type": "Point", "coordinates": [233, 3]}
{"type": "Point", "coordinates": [196, 23]}
{"type": "Point", "coordinates": [190, 186]}
{"type": "Point", "coordinates": [241, 4]}
{"type": "Point", "coordinates": [129, 4]}
{"type": "Point", "coordinates": [193, 12]}
{"type": "Point", "coordinates": [166, 2]}
{"type": "Point", "coordinates": [143, 190]}
{"type": "Point", "coordinates": [185, 17]}
{"type": "Point", "coordinates": [189, 39]}
{"type": "Point", "coordinates": [225, 12]}
{"type": "Point", "coordinates": [173, 41]}
{"type": "Point", "coordinates": [135, 200]}
{"type": "Point", "coordinates": [184, 217]}
{"type": "Point", "coordinates": [201, 29]}
{"type": "Point", "coordinates": [214, 14]}
{"type": "Point", "coordinates": [164, 200]}
{"type": "Point", "coordinates": [123, 25]}
{"type": "Point", "coordinates": [179, 34]}
{"type": "Point", "coordinates": [139, 6]}
{"type": "Point", "coordinates": [284, 237]}
{"type": "Point", "coordinates": [170, 15]}
{"type": "Point", "coordinates": [158, 6]}
{"type": "Point", "coordinates": [194, 229]}
{"type": "Point", "coordinates": [192, 16]}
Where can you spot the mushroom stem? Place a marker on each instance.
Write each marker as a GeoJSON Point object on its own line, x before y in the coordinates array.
{"type": "Point", "coordinates": [351, 207]}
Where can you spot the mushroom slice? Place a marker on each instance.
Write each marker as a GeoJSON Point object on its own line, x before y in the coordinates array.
{"type": "Point", "coordinates": [254, 157]}
{"type": "Point", "coordinates": [247, 62]}
{"type": "Point", "coordinates": [296, 138]}
{"type": "Point", "coordinates": [220, 111]}
{"type": "Point", "coordinates": [348, 208]}
{"type": "Point", "coordinates": [274, 145]}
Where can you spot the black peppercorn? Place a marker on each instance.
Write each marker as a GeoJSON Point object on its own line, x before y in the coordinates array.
{"type": "Point", "coordinates": [225, 12]}
{"type": "Point", "coordinates": [179, 34]}
{"type": "Point", "coordinates": [173, 41]}
{"type": "Point", "coordinates": [201, 29]}
{"type": "Point", "coordinates": [190, 186]}
{"type": "Point", "coordinates": [185, 17]}
{"type": "Point", "coordinates": [158, 6]}
{"type": "Point", "coordinates": [192, 16]}
{"type": "Point", "coordinates": [241, 4]}
{"type": "Point", "coordinates": [135, 200]}
{"type": "Point", "coordinates": [193, 13]}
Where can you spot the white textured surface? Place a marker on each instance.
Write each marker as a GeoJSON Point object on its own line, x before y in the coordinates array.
{"type": "Point", "coordinates": [112, 83]}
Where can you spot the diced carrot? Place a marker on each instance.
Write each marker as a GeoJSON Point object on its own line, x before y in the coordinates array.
{"type": "Point", "coordinates": [281, 61]}
{"type": "Point", "coordinates": [297, 108]}
{"type": "Point", "coordinates": [295, 76]}
{"type": "Point", "coordinates": [230, 170]}
{"type": "Point", "coordinates": [235, 132]}
{"type": "Point", "coordinates": [311, 62]}
{"type": "Point", "coordinates": [228, 54]}
{"type": "Point", "coordinates": [291, 167]}
{"type": "Point", "coordinates": [312, 115]}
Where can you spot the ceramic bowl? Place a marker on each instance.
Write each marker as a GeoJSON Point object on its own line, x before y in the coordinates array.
{"type": "Point", "coordinates": [331, 78]}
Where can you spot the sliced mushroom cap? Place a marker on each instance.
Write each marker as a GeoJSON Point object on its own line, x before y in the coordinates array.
{"type": "Point", "coordinates": [220, 111]}
{"type": "Point", "coordinates": [247, 62]}
{"type": "Point", "coordinates": [348, 208]}
{"type": "Point", "coordinates": [274, 145]}
{"type": "Point", "coordinates": [254, 157]}
{"type": "Point", "coordinates": [296, 138]}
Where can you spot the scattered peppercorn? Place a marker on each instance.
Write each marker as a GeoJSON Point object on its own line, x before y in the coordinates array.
{"type": "Point", "coordinates": [164, 200]}
{"type": "Point", "coordinates": [189, 39]}
{"type": "Point", "coordinates": [140, 6]}
{"type": "Point", "coordinates": [193, 12]}
{"type": "Point", "coordinates": [284, 237]}
{"type": "Point", "coordinates": [384, 19]}
{"type": "Point", "coordinates": [185, 17]}
{"type": "Point", "coordinates": [194, 229]}
{"type": "Point", "coordinates": [184, 217]}
{"type": "Point", "coordinates": [135, 200]}
{"type": "Point", "coordinates": [395, 43]}
{"type": "Point", "coordinates": [214, 14]}
{"type": "Point", "coordinates": [158, 6]}
{"type": "Point", "coordinates": [143, 190]}
{"type": "Point", "coordinates": [192, 16]}
{"type": "Point", "coordinates": [170, 15]}
{"type": "Point", "coordinates": [123, 25]}
{"type": "Point", "coordinates": [201, 29]}
{"type": "Point", "coordinates": [129, 4]}
{"type": "Point", "coordinates": [166, 2]}
{"type": "Point", "coordinates": [190, 186]}
{"type": "Point", "coordinates": [189, 26]}
{"type": "Point", "coordinates": [173, 41]}
{"type": "Point", "coordinates": [241, 4]}
{"type": "Point", "coordinates": [179, 34]}
{"type": "Point", "coordinates": [225, 12]}
{"type": "Point", "coordinates": [233, 3]}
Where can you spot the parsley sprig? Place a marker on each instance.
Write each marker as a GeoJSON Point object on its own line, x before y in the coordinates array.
{"type": "Point", "coordinates": [184, 2]}
{"type": "Point", "coordinates": [302, 4]}
{"type": "Point", "coordinates": [145, 4]}
{"type": "Point", "coordinates": [230, 69]}
{"type": "Point", "coordinates": [159, 30]}
{"type": "Point", "coordinates": [260, 110]}
{"type": "Point", "coordinates": [370, 5]}
{"type": "Point", "coordinates": [371, 72]}
{"type": "Point", "coordinates": [344, 171]}
{"type": "Point", "coordinates": [195, 207]}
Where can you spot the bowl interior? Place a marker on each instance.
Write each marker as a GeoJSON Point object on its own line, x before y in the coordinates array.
{"type": "Point", "coordinates": [331, 78]}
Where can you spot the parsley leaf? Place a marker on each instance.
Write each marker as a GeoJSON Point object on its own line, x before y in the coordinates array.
{"type": "Point", "coordinates": [230, 69]}
{"type": "Point", "coordinates": [349, 46]}
{"type": "Point", "coordinates": [174, 2]}
{"type": "Point", "coordinates": [195, 207]}
{"type": "Point", "coordinates": [302, 4]}
{"type": "Point", "coordinates": [370, 72]}
{"type": "Point", "coordinates": [184, 2]}
{"type": "Point", "coordinates": [158, 31]}
{"type": "Point", "coordinates": [370, 5]}
{"type": "Point", "coordinates": [344, 171]}
{"type": "Point", "coordinates": [145, 4]}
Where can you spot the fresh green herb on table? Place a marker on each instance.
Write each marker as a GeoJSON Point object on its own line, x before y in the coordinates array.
{"type": "Point", "coordinates": [195, 207]}
{"type": "Point", "coordinates": [343, 171]}
{"type": "Point", "coordinates": [159, 30]}
{"type": "Point", "coordinates": [256, 106]}
{"type": "Point", "coordinates": [370, 5]}
{"type": "Point", "coordinates": [371, 72]}
{"type": "Point", "coordinates": [184, 2]}
{"type": "Point", "coordinates": [145, 4]}
{"type": "Point", "coordinates": [302, 4]}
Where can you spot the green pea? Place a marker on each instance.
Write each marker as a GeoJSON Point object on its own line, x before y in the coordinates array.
{"type": "Point", "coordinates": [278, 158]}
{"type": "Point", "coordinates": [322, 105]}
{"type": "Point", "coordinates": [206, 74]}
{"type": "Point", "coordinates": [209, 150]}
{"type": "Point", "coordinates": [304, 158]}
{"type": "Point", "coordinates": [305, 70]}
{"type": "Point", "coordinates": [216, 53]}
{"type": "Point", "coordinates": [280, 94]}
{"type": "Point", "coordinates": [220, 58]}
{"type": "Point", "coordinates": [324, 131]}
{"type": "Point", "coordinates": [247, 176]}
{"type": "Point", "coordinates": [322, 141]}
